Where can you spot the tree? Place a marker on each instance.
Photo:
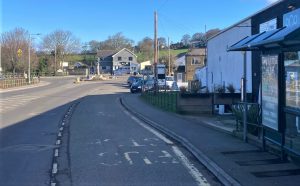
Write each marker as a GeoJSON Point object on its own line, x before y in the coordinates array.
{"type": "Point", "coordinates": [11, 42]}
{"type": "Point", "coordinates": [116, 42]}
{"type": "Point", "coordinates": [146, 48]}
{"type": "Point", "coordinates": [64, 42]}
{"type": "Point", "coordinates": [94, 46]}
{"type": "Point", "coordinates": [162, 42]}
{"type": "Point", "coordinates": [186, 40]}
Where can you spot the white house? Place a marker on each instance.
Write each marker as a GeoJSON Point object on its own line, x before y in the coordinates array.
{"type": "Point", "coordinates": [227, 67]}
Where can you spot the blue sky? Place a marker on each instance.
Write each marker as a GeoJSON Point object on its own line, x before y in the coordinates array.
{"type": "Point", "coordinates": [98, 19]}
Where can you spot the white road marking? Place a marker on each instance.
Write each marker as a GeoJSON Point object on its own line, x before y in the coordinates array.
{"type": "Point", "coordinates": [61, 129]}
{"type": "Point", "coordinates": [127, 157]}
{"type": "Point", "coordinates": [56, 153]}
{"type": "Point", "coordinates": [147, 161]}
{"type": "Point", "coordinates": [150, 139]}
{"type": "Point", "coordinates": [102, 153]}
{"type": "Point", "coordinates": [58, 142]}
{"type": "Point", "coordinates": [192, 169]}
{"type": "Point", "coordinates": [106, 140]}
{"type": "Point", "coordinates": [166, 154]}
{"type": "Point", "coordinates": [59, 134]}
{"type": "Point", "coordinates": [53, 184]}
{"type": "Point", "coordinates": [54, 168]}
{"type": "Point", "coordinates": [160, 136]}
{"type": "Point", "coordinates": [199, 178]}
{"type": "Point", "coordinates": [135, 144]}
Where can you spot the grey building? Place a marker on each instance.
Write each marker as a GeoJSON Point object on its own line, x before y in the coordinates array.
{"type": "Point", "coordinates": [119, 62]}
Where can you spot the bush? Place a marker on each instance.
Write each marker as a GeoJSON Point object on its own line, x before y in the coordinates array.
{"type": "Point", "coordinates": [230, 88]}
{"type": "Point", "coordinates": [220, 89]}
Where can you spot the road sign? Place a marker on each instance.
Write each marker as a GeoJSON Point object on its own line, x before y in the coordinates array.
{"type": "Point", "coordinates": [20, 52]}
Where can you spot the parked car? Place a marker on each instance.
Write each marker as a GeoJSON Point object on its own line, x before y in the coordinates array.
{"type": "Point", "coordinates": [148, 85]}
{"type": "Point", "coordinates": [169, 81]}
{"type": "Point", "coordinates": [132, 79]}
{"type": "Point", "coordinates": [137, 86]}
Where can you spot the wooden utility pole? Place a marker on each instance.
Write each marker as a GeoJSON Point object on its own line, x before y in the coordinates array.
{"type": "Point", "coordinates": [169, 57]}
{"type": "Point", "coordinates": [155, 51]}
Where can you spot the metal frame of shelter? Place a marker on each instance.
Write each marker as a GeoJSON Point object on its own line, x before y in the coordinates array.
{"type": "Point", "coordinates": [278, 41]}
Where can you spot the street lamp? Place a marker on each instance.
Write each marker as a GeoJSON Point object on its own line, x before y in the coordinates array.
{"type": "Point", "coordinates": [29, 46]}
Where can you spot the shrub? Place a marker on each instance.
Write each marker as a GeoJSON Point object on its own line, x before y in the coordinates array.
{"type": "Point", "coordinates": [230, 88]}
{"type": "Point", "coordinates": [220, 89]}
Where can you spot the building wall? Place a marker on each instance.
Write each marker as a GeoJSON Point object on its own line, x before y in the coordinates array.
{"type": "Point", "coordinates": [125, 57]}
{"type": "Point", "coordinates": [227, 67]}
{"type": "Point", "coordinates": [190, 68]}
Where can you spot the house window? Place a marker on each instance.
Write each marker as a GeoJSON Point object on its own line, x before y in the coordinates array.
{"type": "Point", "coordinates": [195, 61]}
{"type": "Point", "coordinates": [130, 58]}
{"type": "Point", "coordinates": [119, 58]}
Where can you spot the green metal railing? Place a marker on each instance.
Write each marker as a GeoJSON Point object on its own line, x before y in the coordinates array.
{"type": "Point", "coordinates": [166, 100]}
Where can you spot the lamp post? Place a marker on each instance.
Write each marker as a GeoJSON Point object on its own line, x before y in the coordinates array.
{"type": "Point", "coordinates": [29, 47]}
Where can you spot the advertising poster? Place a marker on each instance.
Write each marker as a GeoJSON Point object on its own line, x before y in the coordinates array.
{"type": "Point", "coordinates": [270, 91]}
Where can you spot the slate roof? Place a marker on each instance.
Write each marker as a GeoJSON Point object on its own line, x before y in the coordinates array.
{"type": "Point", "coordinates": [106, 53]}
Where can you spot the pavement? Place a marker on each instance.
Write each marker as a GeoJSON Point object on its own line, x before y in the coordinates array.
{"type": "Point", "coordinates": [211, 141]}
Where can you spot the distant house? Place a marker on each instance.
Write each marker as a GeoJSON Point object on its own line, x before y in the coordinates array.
{"type": "Point", "coordinates": [194, 59]}
{"type": "Point", "coordinates": [123, 61]}
{"type": "Point", "coordinates": [179, 69]}
{"type": "Point", "coordinates": [145, 67]}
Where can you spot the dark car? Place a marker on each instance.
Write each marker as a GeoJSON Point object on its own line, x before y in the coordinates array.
{"type": "Point", "coordinates": [137, 86]}
{"type": "Point", "coordinates": [132, 79]}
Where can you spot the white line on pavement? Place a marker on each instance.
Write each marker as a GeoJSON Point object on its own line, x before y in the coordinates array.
{"type": "Point", "coordinates": [147, 161]}
{"type": "Point", "coordinates": [194, 172]}
{"type": "Point", "coordinates": [54, 168]}
{"type": "Point", "coordinates": [192, 169]}
{"type": "Point", "coordinates": [160, 136]}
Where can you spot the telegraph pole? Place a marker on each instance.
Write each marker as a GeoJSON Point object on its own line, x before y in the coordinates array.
{"type": "Point", "coordinates": [169, 57]}
{"type": "Point", "coordinates": [155, 51]}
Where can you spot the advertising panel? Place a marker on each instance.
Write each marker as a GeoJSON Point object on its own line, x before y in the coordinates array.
{"type": "Point", "coordinates": [270, 91]}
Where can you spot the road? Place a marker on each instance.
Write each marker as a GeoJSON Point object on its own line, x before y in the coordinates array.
{"type": "Point", "coordinates": [79, 134]}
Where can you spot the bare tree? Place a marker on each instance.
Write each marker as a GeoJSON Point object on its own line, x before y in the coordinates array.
{"type": "Point", "coordinates": [12, 42]}
{"type": "Point", "coordinates": [116, 42]}
{"type": "Point", "coordinates": [186, 40]}
{"type": "Point", "coordinates": [61, 43]}
{"type": "Point", "coordinates": [162, 42]}
{"type": "Point", "coordinates": [94, 45]}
